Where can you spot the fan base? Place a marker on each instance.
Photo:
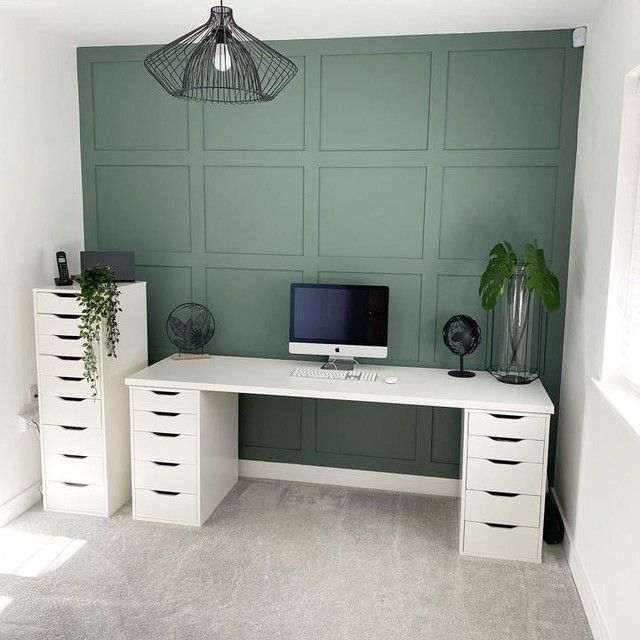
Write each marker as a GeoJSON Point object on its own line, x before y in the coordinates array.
{"type": "Point", "coordinates": [462, 374]}
{"type": "Point", "coordinates": [190, 356]}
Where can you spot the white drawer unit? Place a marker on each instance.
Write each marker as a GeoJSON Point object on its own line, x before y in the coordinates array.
{"type": "Point", "coordinates": [67, 467]}
{"type": "Point", "coordinates": [59, 345]}
{"type": "Point", "coordinates": [165, 400]}
{"type": "Point", "coordinates": [65, 386]}
{"type": "Point", "coordinates": [164, 447]}
{"type": "Point", "coordinates": [504, 470]}
{"type": "Point", "coordinates": [85, 443]}
{"type": "Point", "coordinates": [73, 412]}
{"type": "Point", "coordinates": [73, 440]}
{"type": "Point", "coordinates": [57, 325]}
{"type": "Point", "coordinates": [165, 422]}
{"type": "Point", "coordinates": [166, 506]}
{"type": "Point", "coordinates": [184, 447]}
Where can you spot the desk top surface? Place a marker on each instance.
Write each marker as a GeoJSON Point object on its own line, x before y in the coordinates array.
{"type": "Point", "coordinates": [416, 385]}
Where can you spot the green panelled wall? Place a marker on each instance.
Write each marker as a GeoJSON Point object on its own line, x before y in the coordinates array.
{"type": "Point", "coordinates": [395, 161]}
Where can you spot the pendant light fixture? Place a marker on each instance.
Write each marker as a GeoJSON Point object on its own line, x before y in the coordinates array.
{"type": "Point", "coordinates": [220, 62]}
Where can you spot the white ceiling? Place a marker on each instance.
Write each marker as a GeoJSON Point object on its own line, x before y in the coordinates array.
{"type": "Point", "coordinates": [107, 22]}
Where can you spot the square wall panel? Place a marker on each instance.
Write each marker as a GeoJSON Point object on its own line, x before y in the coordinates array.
{"type": "Point", "coordinates": [132, 111]}
{"type": "Point", "coordinates": [366, 429]}
{"type": "Point", "coordinates": [484, 205]}
{"type": "Point", "coordinates": [270, 422]}
{"type": "Point", "coordinates": [404, 307]}
{"type": "Point", "coordinates": [275, 125]}
{"type": "Point", "coordinates": [255, 210]}
{"type": "Point", "coordinates": [251, 308]}
{"type": "Point", "coordinates": [445, 435]}
{"type": "Point", "coordinates": [374, 101]}
{"type": "Point", "coordinates": [459, 294]}
{"type": "Point", "coordinates": [167, 287]}
{"type": "Point", "coordinates": [509, 99]}
{"type": "Point", "coordinates": [143, 208]}
{"type": "Point", "coordinates": [375, 212]}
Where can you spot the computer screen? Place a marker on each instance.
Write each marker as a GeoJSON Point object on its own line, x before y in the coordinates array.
{"type": "Point", "coordinates": [338, 315]}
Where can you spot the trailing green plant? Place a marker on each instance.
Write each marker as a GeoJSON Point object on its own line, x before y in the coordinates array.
{"type": "Point", "coordinates": [99, 298]}
{"type": "Point", "coordinates": [539, 279]}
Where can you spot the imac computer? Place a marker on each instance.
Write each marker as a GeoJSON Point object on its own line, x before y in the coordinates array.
{"type": "Point", "coordinates": [342, 321]}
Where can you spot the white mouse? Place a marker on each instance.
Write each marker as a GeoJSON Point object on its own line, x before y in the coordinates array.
{"type": "Point", "coordinates": [391, 380]}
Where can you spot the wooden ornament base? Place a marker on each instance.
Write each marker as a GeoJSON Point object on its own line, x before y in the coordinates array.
{"type": "Point", "coordinates": [190, 356]}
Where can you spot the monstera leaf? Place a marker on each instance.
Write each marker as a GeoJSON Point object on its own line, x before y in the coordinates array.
{"type": "Point", "coordinates": [177, 326]}
{"type": "Point", "coordinates": [539, 280]}
{"type": "Point", "coordinates": [502, 265]}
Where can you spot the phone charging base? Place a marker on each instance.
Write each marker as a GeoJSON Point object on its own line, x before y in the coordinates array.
{"type": "Point", "coordinates": [63, 282]}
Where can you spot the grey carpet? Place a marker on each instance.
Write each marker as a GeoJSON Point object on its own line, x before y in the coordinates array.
{"type": "Point", "coordinates": [277, 561]}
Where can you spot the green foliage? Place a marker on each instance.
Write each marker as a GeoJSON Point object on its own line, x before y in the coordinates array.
{"type": "Point", "coordinates": [502, 265]}
{"type": "Point", "coordinates": [99, 298]}
{"type": "Point", "coordinates": [539, 279]}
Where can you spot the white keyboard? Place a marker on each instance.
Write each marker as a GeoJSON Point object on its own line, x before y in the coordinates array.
{"type": "Point", "coordinates": [334, 374]}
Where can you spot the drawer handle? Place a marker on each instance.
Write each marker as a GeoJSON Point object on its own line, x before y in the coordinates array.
{"type": "Point", "coordinates": [70, 378]}
{"type": "Point", "coordinates": [73, 455]}
{"type": "Point", "coordinates": [68, 337]}
{"type": "Point", "coordinates": [68, 399]}
{"type": "Point", "coordinates": [165, 435]}
{"type": "Point", "coordinates": [506, 416]}
{"type": "Point", "coordinates": [66, 316]}
{"type": "Point", "coordinates": [170, 414]}
{"type": "Point", "coordinates": [73, 358]}
{"type": "Point", "coordinates": [166, 493]}
{"type": "Point", "coordinates": [495, 525]}
{"type": "Point", "coordinates": [165, 464]}
{"type": "Point", "coordinates": [75, 484]}
{"type": "Point", "coordinates": [510, 462]}
{"type": "Point", "coordinates": [64, 295]}
{"type": "Point", "coordinates": [502, 439]}
{"type": "Point", "coordinates": [68, 428]}
{"type": "Point", "coordinates": [502, 494]}
{"type": "Point", "coordinates": [165, 393]}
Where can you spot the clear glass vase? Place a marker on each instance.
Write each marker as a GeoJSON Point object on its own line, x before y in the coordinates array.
{"type": "Point", "coordinates": [517, 334]}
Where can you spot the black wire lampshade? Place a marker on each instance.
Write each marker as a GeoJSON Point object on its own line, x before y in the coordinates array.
{"type": "Point", "coordinates": [220, 62]}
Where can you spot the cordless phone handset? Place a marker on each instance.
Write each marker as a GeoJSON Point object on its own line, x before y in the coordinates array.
{"type": "Point", "coordinates": [63, 278]}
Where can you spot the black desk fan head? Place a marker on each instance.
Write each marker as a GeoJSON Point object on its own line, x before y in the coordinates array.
{"type": "Point", "coordinates": [461, 334]}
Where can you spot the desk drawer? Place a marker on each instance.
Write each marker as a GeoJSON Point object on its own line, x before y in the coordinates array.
{"type": "Point", "coordinates": [85, 498]}
{"type": "Point", "coordinates": [509, 426]}
{"type": "Point", "coordinates": [65, 386]}
{"type": "Point", "coordinates": [165, 400]}
{"type": "Point", "coordinates": [164, 447]}
{"type": "Point", "coordinates": [516, 543]}
{"type": "Point", "coordinates": [165, 422]}
{"type": "Point", "coordinates": [75, 440]}
{"type": "Point", "coordinates": [49, 324]}
{"type": "Point", "coordinates": [499, 448]}
{"type": "Point", "coordinates": [59, 303]}
{"type": "Point", "coordinates": [165, 476]}
{"type": "Point", "coordinates": [73, 468]}
{"type": "Point", "coordinates": [61, 366]}
{"type": "Point", "coordinates": [488, 475]}
{"type": "Point", "coordinates": [59, 346]}
{"type": "Point", "coordinates": [71, 412]}
{"type": "Point", "coordinates": [523, 510]}
{"type": "Point", "coordinates": [181, 508]}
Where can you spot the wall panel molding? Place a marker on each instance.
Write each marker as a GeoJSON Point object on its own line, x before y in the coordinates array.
{"type": "Point", "coordinates": [394, 160]}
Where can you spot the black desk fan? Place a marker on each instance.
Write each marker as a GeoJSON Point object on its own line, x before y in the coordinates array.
{"type": "Point", "coordinates": [461, 334]}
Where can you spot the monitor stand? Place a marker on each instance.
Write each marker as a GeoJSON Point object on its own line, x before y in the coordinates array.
{"type": "Point", "coordinates": [339, 364]}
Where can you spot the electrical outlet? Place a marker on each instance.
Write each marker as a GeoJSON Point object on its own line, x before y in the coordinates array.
{"type": "Point", "coordinates": [33, 392]}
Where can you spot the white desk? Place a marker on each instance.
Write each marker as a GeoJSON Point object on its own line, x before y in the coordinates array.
{"type": "Point", "coordinates": [184, 428]}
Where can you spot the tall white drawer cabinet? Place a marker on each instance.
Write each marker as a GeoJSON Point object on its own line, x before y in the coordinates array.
{"type": "Point", "coordinates": [184, 447]}
{"type": "Point", "coordinates": [85, 440]}
{"type": "Point", "coordinates": [504, 471]}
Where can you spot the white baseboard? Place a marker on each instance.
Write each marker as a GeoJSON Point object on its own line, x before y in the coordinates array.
{"type": "Point", "coordinates": [589, 602]}
{"type": "Point", "coordinates": [18, 505]}
{"type": "Point", "coordinates": [427, 485]}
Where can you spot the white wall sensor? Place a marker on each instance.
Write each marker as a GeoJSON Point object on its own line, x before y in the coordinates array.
{"type": "Point", "coordinates": [579, 37]}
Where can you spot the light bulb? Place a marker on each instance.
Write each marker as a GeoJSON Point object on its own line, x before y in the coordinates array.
{"type": "Point", "coordinates": [222, 57]}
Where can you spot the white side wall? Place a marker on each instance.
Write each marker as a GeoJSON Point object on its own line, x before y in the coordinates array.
{"type": "Point", "coordinates": [40, 212]}
{"type": "Point", "coordinates": [598, 458]}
